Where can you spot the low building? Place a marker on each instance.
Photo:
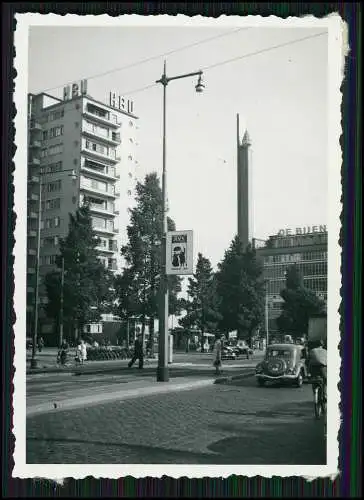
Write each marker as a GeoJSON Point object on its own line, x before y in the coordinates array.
{"type": "Point", "coordinates": [305, 247]}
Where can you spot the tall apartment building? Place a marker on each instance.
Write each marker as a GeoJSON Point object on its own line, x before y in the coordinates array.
{"type": "Point", "coordinates": [307, 248]}
{"type": "Point", "coordinates": [97, 141]}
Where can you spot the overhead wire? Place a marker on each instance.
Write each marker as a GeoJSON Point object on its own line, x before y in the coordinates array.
{"type": "Point", "coordinates": [152, 58]}
{"type": "Point", "coordinates": [244, 56]}
{"type": "Point", "coordinates": [211, 66]}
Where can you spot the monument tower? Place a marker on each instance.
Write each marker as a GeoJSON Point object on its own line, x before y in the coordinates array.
{"type": "Point", "coordinates": [244, 197]}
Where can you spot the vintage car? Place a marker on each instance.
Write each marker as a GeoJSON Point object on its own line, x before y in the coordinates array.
{"type": "Point", "coordinates": [282, 363]}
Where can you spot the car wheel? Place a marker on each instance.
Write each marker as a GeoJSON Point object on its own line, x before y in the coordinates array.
{"type": "Point", "coordinates": [299, 380]}
{"type": "Point", "coordinates": [261, 382]}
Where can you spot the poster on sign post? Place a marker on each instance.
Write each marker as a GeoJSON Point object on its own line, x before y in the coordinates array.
{"type": "Point", "coordinates": [179, 249]}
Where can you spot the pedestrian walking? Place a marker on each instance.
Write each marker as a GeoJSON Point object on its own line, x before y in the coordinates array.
{"type": "Point", "coordinates": [82, 352]}
{"type": "Point", "coordinates": [218, 354]}
{"type": "Point", "coordinates": [40, 344]}
{"type": "Point", "coordinates": [62, 356]}
{"type": "Point", "coordinates": [138, 352]}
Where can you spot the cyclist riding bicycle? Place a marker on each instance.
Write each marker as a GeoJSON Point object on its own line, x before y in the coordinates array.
{"type": "Point", "coordinates": [317, 362]}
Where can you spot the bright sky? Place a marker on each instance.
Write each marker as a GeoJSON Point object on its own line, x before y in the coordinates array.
{"type": "Point", "coordinates": [281, 96]}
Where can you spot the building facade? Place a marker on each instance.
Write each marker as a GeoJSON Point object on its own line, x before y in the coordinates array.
{"type": "Point", "coordinates": [307, 248]}
{"type": "Point", "coordinates": [79, 150]}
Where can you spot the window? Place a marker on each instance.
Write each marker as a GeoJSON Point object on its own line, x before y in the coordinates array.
{"type": "Point", "coordinates": [54, 186]}
{"type": "Point", "coordinates": [51, 168]}
{"type": "Point", "coordinates": [44, 153]}
{"type": "Point", "coordinates": [56, 115]}
{"type": "Point", "coordinates": [130, 157]}
{"type": "Point", "coordinates": [54, 150]}
{"type": "Point", "coordinates": [77, 124]}
{"type": "Point", "coordinates": [45, 135]}
{"type": "Point", "coordinates": [56, 131]}
{"type": "Point", "coordinates": [57, 222]}
{"type": "Point", "coordinates": [98, 148]}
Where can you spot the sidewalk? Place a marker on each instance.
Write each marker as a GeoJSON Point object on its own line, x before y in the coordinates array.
{"type": "Point", "coordinates": [127, 388]}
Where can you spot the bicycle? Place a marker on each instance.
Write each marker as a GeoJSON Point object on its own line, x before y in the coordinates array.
{"type": "Point", "coordinates": [318, 397]}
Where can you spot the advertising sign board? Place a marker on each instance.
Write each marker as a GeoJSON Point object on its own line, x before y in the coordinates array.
{"type": "Point", "coordinates": [179, 248]}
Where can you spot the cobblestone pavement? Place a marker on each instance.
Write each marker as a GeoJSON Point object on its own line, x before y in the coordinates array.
{"type": "Point", "coordinates": [220, 424]}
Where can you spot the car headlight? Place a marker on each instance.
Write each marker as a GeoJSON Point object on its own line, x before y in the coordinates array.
{"type": "Point", "coordinates": [291, 371]}
{"type": "Point", "coordinates": [258, 369]}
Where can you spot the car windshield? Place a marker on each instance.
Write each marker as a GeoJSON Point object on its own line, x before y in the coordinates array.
{"type": "Point", "coordinates": [280, 353]}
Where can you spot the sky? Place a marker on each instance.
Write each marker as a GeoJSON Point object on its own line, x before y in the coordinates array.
{"type": "Point", "coordinates": [280, 95]}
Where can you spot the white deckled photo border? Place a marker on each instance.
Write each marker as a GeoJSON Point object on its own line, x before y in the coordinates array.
{"type": "Point", "coordinates": [337, 50]}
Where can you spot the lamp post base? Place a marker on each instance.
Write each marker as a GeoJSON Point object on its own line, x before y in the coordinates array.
{"type": "Point", "coordinates": [33, 363]}
{"type": "Point", "coordinates": [162, 374]}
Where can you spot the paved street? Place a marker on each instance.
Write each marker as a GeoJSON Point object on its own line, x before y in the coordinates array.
{"type": "Point", "coordinates": [227, 424]}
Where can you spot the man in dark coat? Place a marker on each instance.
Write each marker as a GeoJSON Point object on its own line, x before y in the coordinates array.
{"type": "Point", "coordinates": [138, 352]}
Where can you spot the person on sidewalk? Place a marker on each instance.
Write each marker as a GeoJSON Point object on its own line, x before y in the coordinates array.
{"type": "Point", "coordinates": [218, 354]}
{"type": "Point", "coordinates": [40, 344]}
{"type": "Point", "coordinates": [138, 352]}
{"type": "Point", "coordinates": [82, 351]}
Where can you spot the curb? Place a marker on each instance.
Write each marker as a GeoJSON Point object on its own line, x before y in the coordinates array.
{"type": "Point", "coordinates": [87, 401]}
{"type": "Point", "coordinates": [233, 378]}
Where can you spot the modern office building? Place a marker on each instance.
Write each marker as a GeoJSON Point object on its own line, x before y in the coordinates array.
{"type": "Point", "coordinates": [306, 247]}
{"type": "Point", "coordinates": [98, 142]}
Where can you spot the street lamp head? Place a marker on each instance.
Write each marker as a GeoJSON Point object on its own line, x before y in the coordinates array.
{"type": "Point", "coordinates": [73, 175]}
{"type": "Point", "coordinates": [200, 85]}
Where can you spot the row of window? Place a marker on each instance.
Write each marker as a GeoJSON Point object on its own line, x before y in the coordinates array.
{"type": "Point", "coordinates": [109, 263]}
{"type": "Point", "coordinates": [48, 260]}
{"type": "Point", "coordinates": [53, 132]}
{"type": "Point", "coordinates": [52, 150]}
{"type": "Point", "coordinates": [295, 257]}
{"type": "Point", "coordinates": [54, 115]}
{"type": "Point", "coordinates": [317, 284]}
{"type": "Point", "coordinates": [108, 244]}
{"type": "Point", "coordinates": [305, 268]}
{"type": "Point", "coordinates": [51, 204]}
{"type": "Point", "coordinates": [100, 148]}
{"type": "Point", "coordinates": [87, 182]}
{"type": "Point", "coordinates": [50, 241]}
{"type": "Point", "coordinates": [102, 223]}
{"type": "Point", "coordinates": [50, 223]}
{"type": "Point", "coordinates": [51, 168]}
{"type": "Point", "coordinates": [51, 187]}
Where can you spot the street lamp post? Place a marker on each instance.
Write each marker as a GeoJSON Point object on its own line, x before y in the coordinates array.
{"type": "Point", "coordinates": [162, 370]}
{"type": "Point", "coordinates": [33, 361]}
{"type": "Point", "coordinates": [61, 308]}
{"type": "Point", "coordinates": [266, 316]}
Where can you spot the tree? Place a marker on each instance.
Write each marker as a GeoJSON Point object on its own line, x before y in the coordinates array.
{"type": "Point", "coordinates": [202, 308]}
{"type": "Point", "coordinates": [87, 290]}
{"type": "Point", "coordinates": [299, 304]}
{"type": "Point", "coordinates": [241, 290]}
{"type": "Point", "coordinates": [142, 253]}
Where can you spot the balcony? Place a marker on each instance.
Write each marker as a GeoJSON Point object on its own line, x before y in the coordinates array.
{"type": "Point", "coordinates": [31, 270]}
{"type": "Point", "coordinates": [33, 197]}
{"type": "Point", "coordinates": [34, 161]}
{"type": "Point", "coordinates": [113, 138]}
{"type": "Point", "coordinates": [34, 125]}
{"type": "Point", "coordinates": [116, 212]}
{"type": "Point", "coordinates": [105, 230]}
{"type": "Point", "coordinates": [92, 190]}
{"type": "Point", "coordinates": [99, 170]}
{"type": "Point", "coordinates": [32, 233]}
{"type": "Point", "coordinates": [35, 144]}
{"type": "Point", "coordinates": [30, 289]}
{"type": "Point", "coordinates": [32, 215]}
{"type": "Point", "coordinates": [96, 208]}
{"type": "Point", "coordinates": [107, 250]}
{"type": "Point", "coordinates": [98, 118]}
{"type": "Point", "coordinates": [97, 155]}
{"type": "Point", "coordinates": [33, 179]}
{"type": "Point", "coordinates": [32, 251]}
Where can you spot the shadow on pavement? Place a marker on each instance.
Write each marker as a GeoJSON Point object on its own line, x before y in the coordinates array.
{"type": "Point", "coordinates": [145, 454]}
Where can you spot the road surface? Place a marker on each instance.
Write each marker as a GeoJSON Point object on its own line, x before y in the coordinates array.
{"type": "Point", "coordinates": [238, 423]}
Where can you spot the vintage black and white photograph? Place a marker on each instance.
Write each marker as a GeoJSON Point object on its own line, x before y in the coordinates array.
{"type": "Point", "coordinates": [177, 272]}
